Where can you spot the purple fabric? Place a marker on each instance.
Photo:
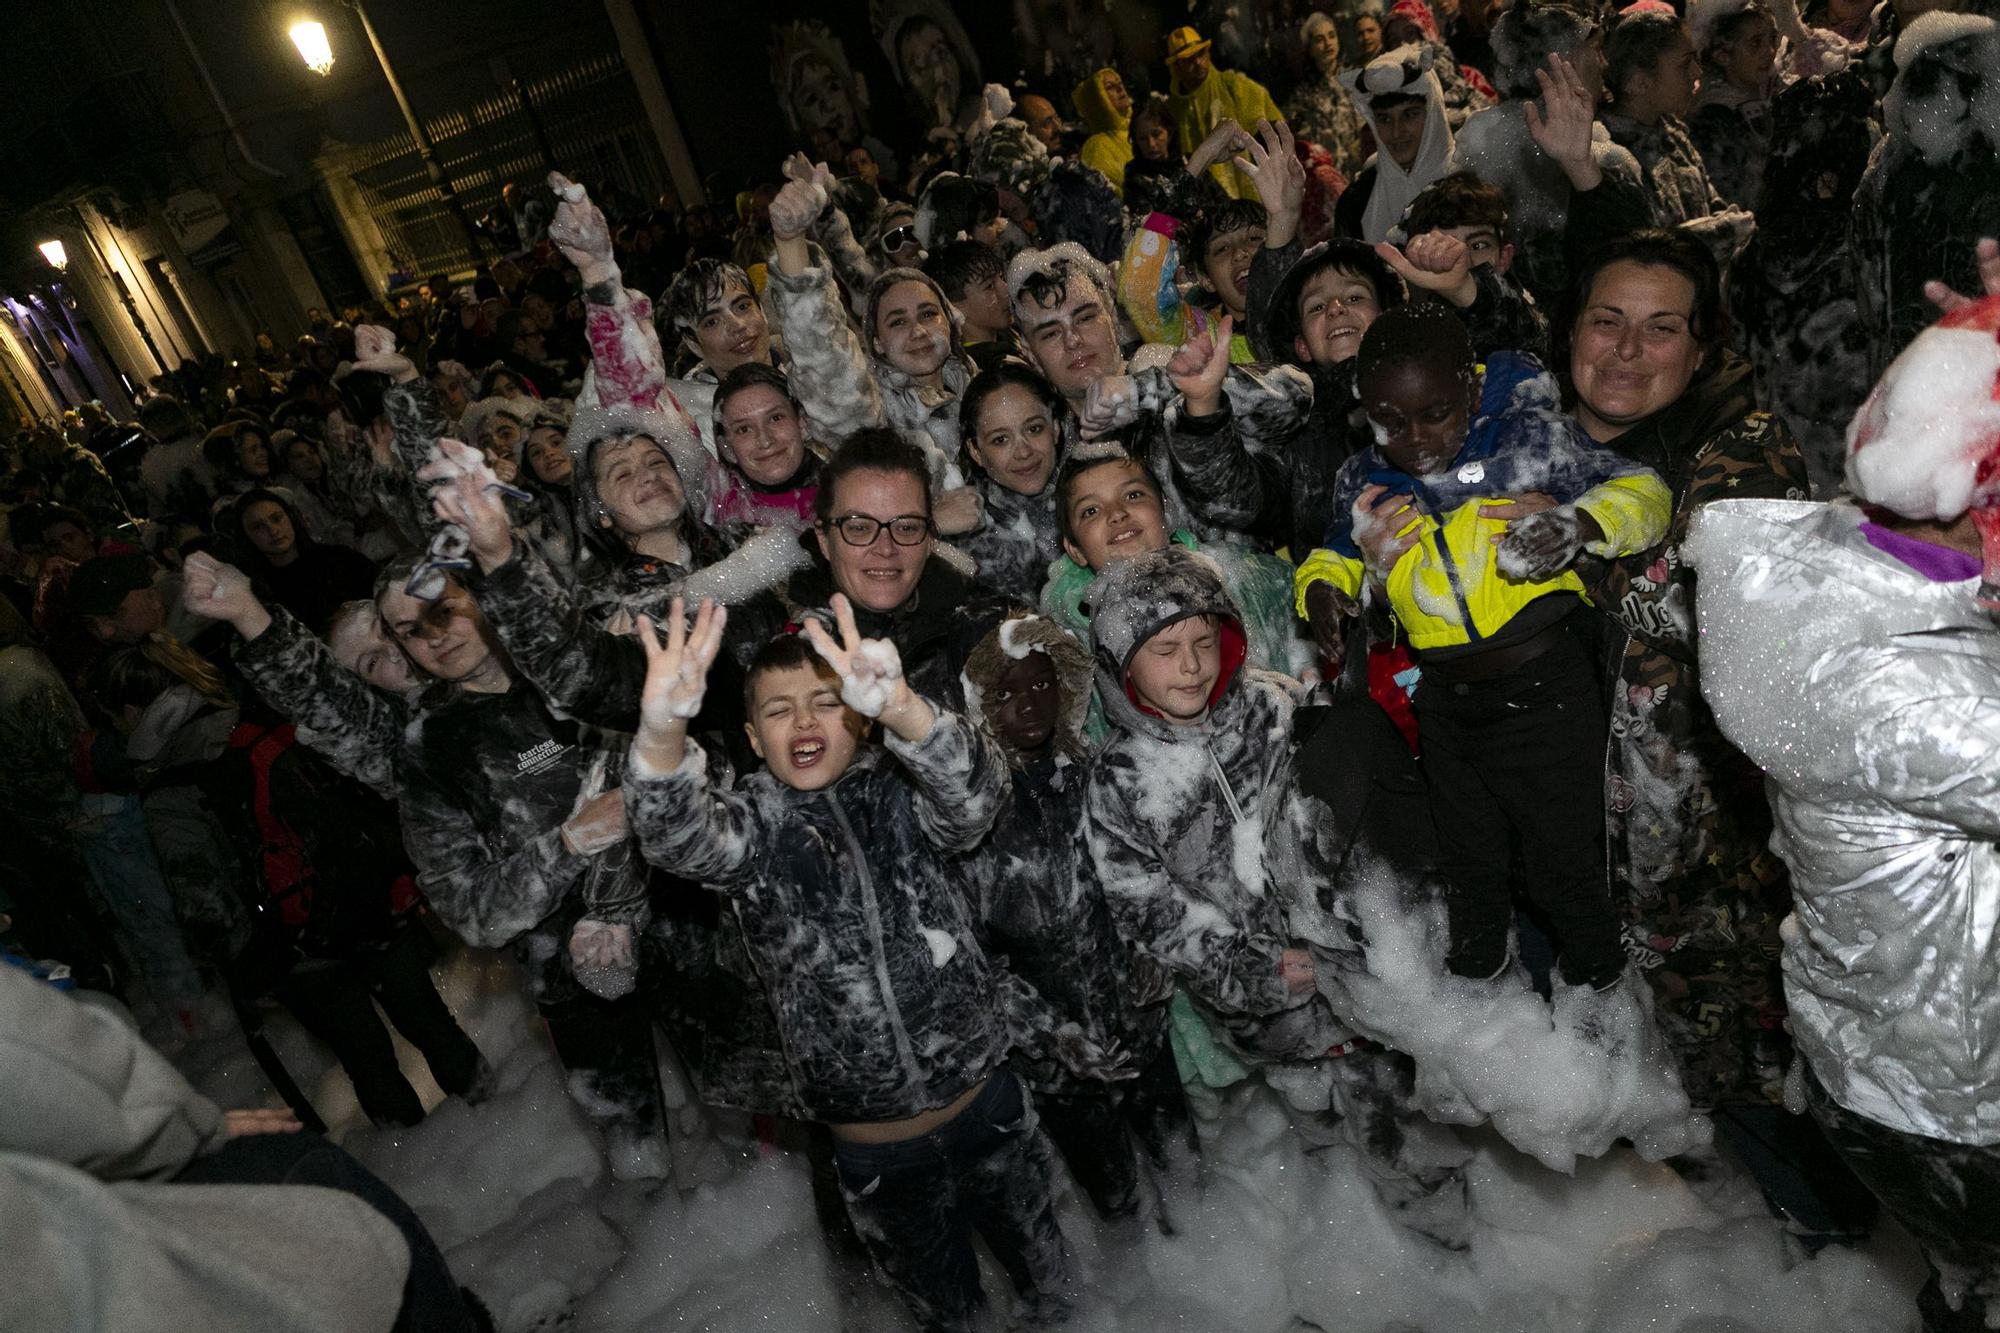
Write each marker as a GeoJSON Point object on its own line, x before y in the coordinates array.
{"type": "Point", "coordinates": [1939, 564]}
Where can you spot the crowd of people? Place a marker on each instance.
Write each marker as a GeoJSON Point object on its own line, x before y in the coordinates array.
{"type": "Point", "coordinates": [969, 658]}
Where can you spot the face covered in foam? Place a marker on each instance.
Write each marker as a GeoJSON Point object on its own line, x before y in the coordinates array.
{"type": "Point", "coordinates": [1420, 413]}
{"type": "Point", "coordinates": [799, 727]}
{"type": "Point", "coordinates": [360, 644]}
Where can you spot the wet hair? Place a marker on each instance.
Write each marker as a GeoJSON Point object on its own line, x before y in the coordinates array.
{"type": "Point", "coordinates": [749, 375]}
{"type": "Point", "coordinates": [1458, 200]}
{"type": "Point", "coordinates": [1043, 277]}
{"type": "Point", "coordinates": [348, 612]}
{"type": "Point", "coordinates": [1670, 248]}
{"type": "Point", "coordinates": [701, 284]}
{"type": "Point", "coordinates": [394, 574]}
{"type": "Point", "coordinates": [1087, 460]}
{"type": "Point", "coordinates": [134, 676]}
{"type": "Point", "coordinates": [1214, 219]}
{"type": "Point", "coordinates": [1634, 46]}
{"type": "Point", "coordinates": [870, 449]}
{"type": "Point", "coordinates": [785, 652]}
{"type": "Point", "coordinates": [956, 265]}
{"type": "Point", "coordinates": [989, 382]}
{"type": "Point", "coordinates": [1429, 334]}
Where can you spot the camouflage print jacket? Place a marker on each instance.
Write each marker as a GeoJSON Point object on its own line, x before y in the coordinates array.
{"type": "Point", "coordinates": [1688, 826]}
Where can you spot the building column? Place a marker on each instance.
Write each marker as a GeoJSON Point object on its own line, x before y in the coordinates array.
{"type": "Point", "coordinates": [645, 72]}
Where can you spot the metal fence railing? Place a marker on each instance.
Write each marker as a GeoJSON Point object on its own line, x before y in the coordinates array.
{"type": "Point", "coordinates": [588, 116]}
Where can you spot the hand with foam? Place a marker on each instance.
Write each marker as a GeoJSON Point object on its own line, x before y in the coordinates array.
{"type": "Point", "coordinates": [604, 955]}
{"type": "Point", "coordinates": [677, 670]}
{"type": "Point", "coordinates": [579, 230]}
{"type": "Point", "coordinates": [1543, 545]}
{"type": "Point", "coordinates": [219, 591]}
{"type": "Point", "coordinates": [797, 207]}
{"type": "Point", "coordinates": [375, 349]}
{"type": "Point", "coordinates": [469, 494]}
{"type": "Point", "coordinates": [871, 675]}
{"type": "Point", "coordinates": [1111, 401]}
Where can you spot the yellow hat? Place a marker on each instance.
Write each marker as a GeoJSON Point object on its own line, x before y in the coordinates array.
{"type": "Point", "coordinates": [1185, 42]}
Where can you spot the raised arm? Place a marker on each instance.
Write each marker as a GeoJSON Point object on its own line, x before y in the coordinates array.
{"type": "Point", "coordinates": [829, 372]}
{"type": "Point", "coordinates": [340, 716]}
{"type": "Point", "coordinates": [626, 360]}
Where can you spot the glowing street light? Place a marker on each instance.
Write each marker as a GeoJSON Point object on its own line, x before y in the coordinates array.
{"type": "Point", "coordinates": [53, 252]}
{"type": "Point", "coordinates": [309, 35]}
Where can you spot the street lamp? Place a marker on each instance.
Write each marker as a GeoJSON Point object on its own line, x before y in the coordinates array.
{"type": "Point", "coordinates": [309, 35]}
{"type": "Point", "coordinates": [53, 252]}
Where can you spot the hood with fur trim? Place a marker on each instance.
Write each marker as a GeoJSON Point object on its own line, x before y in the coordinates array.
{"type": "Point", "coordinates": [1009, 642]}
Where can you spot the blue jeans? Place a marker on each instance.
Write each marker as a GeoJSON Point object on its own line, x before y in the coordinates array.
{"type": "Point", "coordinates": [917, 1203]}
{"type": "Point", "coordinates": [119, 854]}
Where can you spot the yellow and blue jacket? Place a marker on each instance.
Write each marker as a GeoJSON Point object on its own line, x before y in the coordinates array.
{"type": "Point", "coordinates": [1447, 590]}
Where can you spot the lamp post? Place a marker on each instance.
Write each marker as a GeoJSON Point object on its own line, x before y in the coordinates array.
{"type": "Point", "coordinates": [57, 256]}
{"type": "Point", "coordinates": [314, 48]}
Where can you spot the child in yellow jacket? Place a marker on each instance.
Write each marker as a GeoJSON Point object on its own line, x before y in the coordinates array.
{"type": "Point", "coordinates": [1510, 717]}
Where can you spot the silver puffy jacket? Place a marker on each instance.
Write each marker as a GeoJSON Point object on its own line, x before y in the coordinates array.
{"type": "Point", "coordinates": [1870, 696]}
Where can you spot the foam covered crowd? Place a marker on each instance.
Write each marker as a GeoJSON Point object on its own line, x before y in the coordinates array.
{"type": "Point", "coordinates": [1431, 579]}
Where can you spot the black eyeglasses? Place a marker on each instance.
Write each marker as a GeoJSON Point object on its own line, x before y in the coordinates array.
{"type": "Point", "coordinates": [900, 237]}
{"type": "Point", "coordinates": [862, 529]}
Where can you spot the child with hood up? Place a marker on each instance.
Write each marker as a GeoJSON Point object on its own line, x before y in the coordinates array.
{"type": "Point", "coordinates": [1195, 783]}
{"type": "Point", "coordinates": [1040, 909]}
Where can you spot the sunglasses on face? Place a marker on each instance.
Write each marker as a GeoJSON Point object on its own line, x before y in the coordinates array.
{"type": "Point", "coordinates": [900, 237]}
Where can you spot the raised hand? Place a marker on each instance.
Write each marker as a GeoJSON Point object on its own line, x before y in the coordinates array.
{"type": "Point", "coordinates": [579, 229]}
{"type": "Point", "coordinates": [1200, 366]}
{"type": "Point", "coordinates": [375, 349]}
{"type": "Point", "coordinates": [469, 494]}
{"type": "Point", "coordinates": [1271, 161]}
{"type": "Point", "coordinates": [1223, 140]}
{"type": "Point", "coordinates": [957, 511]}
{"type": "Point", "coordinates": [1436, 261]}
{"type": "Point", "coordinates": [1947, 300]}
{"type": "Point", "coordinates": [797, 206]}
{"type": "Point", "coordinates": [221, 591]}
{"type": "Point", "coordinates": [871, 674]}
{"type": "Point", "coordinates": [1562, 123]}
{"type": "Point", "coordinates": [677, 670]}
{"type": "Point", "coordinates": [597, 825]}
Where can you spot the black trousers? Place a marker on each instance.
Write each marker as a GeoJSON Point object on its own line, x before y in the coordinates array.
{"type": "Point", "coordinates": [607, 1047]}
{"type": "Point", "coordinates": [332, 1000]}
{"type": "Point", "coordinates": [1101, 1130]}
{"type": "Point", "coordinates": [1517, 761]}
{"type": "Point", "coordinates": [918, 1202]}
{"type": "Point", "coordinates": [431, 1299]}
{"type": "Point", "coordinates": [1946, 1195]}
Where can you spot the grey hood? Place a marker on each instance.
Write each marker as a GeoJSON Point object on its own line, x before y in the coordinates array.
{"type": "Point", "coordinates": [1870, 696]}
{"type": "Point", "coordinates": [1135, 599]}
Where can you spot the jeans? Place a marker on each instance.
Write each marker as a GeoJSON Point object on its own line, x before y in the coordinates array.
{"type": "Point", "coordinates": [432, 1302]}
{"type": "Point", "coordinates": [119, 854]}
{"type": "Point", "coordinates": [1101, 1131]}
{"type": "Point", "coordinates": [1517, 760]}
{"type": "Point", "coordinates": [917, 1202]}
{"type": "Point", "coordinates": [1946, 1195]}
